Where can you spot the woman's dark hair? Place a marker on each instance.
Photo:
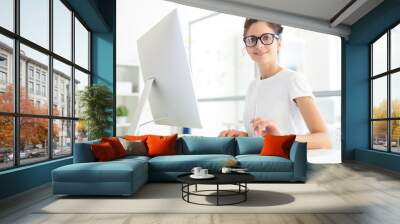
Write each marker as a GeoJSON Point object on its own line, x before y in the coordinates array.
{"type": "Point", "coordinates": [277, 28]}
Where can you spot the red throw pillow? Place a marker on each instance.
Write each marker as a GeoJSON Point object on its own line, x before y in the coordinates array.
{"type": "Point", "coordinates": [103, 151]}
{"type": "Point", "coordinates": [277, 145]}
{"type": "Point", "coordinates": [161, 145]}
{"type": "Point", "coordinates": [116, 145]}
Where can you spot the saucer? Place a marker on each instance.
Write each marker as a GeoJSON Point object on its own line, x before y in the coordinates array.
{"type": "Point", "coordinates": [208, 176]}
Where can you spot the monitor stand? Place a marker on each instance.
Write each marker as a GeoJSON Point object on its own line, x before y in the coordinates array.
{"type": "Point", "coordinates": [135, 128]}
{"type": "Point", "coordinates": [139, 109]}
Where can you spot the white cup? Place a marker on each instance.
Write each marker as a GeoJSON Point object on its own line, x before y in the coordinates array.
{"type": "Point", "coordinates": [196, 171]}
{"type": "Point", "coordinates": [226, 170]}
{"type": "Point", "coordinates": [203, 172]}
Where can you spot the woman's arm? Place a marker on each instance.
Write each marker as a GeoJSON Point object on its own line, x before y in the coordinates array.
{"type": "Point", "coordinates": [233, 133]}
{"type": "Point", "coordinates": [318, 137]}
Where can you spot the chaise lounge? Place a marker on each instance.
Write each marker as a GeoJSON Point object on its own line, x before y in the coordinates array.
{"type": "Point", "coordinates": [125, 176]}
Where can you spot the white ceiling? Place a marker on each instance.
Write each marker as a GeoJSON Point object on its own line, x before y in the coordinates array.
{"type": "Point", "coordinates": [316, 15]}
{"type": "Point", "coordinates": [320, 9]}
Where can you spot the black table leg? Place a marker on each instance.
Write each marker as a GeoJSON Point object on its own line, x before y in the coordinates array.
{"type": "Point", "coordinates": [217, 194]}
{"type": "Point", "coordinates": [196, 188]}
{"type": "Point", "coordinates": [245, 193]}
{"type": "Point", "coordinates": [188, 189]}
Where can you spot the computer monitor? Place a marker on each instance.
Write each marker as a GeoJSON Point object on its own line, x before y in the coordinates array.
{"type": "Point", "coordinates": [167, 75]}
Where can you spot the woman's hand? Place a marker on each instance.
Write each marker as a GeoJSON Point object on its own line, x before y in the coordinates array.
{"type": "Point", "coordinates": [232, 133]}
{"type": "Point", "coordinates": [263, 126]}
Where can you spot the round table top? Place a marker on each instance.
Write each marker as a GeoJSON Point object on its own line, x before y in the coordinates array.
{"type": "Point", "coordinates": [220, 178]}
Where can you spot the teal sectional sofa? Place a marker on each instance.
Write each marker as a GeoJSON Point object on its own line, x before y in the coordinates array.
{"type": "Point", "coordinates": [125, 176]}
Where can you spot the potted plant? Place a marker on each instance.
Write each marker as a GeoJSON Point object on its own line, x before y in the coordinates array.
{"type": "Point", "coordinates": [122, 114]}
{"type": "Point", "coordinates": [96, 102]}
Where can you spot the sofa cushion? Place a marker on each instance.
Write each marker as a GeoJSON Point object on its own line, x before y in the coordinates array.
{"type": "Point", "coordinates": [111, 171]}
{"type": "Point", "coordinates": [185, 163]}
{"type": "Point", "coordinates": [133, 158]}
{"type": "Point", "coordinates": [277, 145]}
{"type": "Point", "coordinates": [116, 145]}
{"type": "Point", "coordinates": [195, 145]}
{"type": "Point", "coordinates": [134, 147]}
{"type": "Point", "coordinates": [249, 145]}
{"type": "Point", "coordinates": [83, 152]}
{"type": "Point", "coordinates": [136, 137]}
{"type": "Point", "coordinates": [159, 145]}
{"type": "Point", "coordinates": [103, 152]}
{"type": "Point", "coordinates": [257, 163]}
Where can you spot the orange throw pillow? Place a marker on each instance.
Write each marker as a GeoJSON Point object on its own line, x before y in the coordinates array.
{"type": "Point", "coordinates": [103, 152]}
{"type": "Point", "coordinates": [116, 145]}
{"type": "Point", "coordinates": [277, 145]}
{"type": "Point", "coordinates": [161, 145]}
{"type": "Point", "coordinates": [136, 137]}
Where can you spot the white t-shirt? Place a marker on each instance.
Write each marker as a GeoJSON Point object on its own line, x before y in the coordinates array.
{"type": "Point", "coordinates": [272, 99]}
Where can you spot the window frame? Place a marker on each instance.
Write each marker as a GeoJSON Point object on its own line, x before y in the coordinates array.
{"type": "Point", "coordinates": [388, 74]}
{"type": "Point", "coordinates": [16, 114]}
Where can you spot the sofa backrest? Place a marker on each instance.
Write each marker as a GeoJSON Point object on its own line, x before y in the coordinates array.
{"type": "Point", "coordinates": [249, 145]}
{"type": "Point", "coordinates": [194, 145]}
{"type": "Point", "coordinates": [190, 145]}
{"type": "Point", "coordinates": [83, 152]}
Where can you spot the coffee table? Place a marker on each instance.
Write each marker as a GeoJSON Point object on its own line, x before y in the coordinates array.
{"type": "Point", "coordinates": [238, 179]}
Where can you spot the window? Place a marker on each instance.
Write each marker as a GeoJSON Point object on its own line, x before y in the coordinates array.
{"type": "Point", "coordinates": [33, 147]}
{"type": "Point", "coordinates": [30, 87]}
{"type": "Point", "coordinates": [62, 140]}
{"type": "Point", "coordinates": [3, 72]}
{"type": "Point", "coordinates": [81, 45]}
{"type": "Point", "coordinates": [37, 75]}
{"type": "Point", "coordinates": [7, 14]}
{"type": "Point", "coordinates": [81, 81]}
{"type": "Point", "coordinates": [6, 142]}
{"type": "Point", "coordinates": [3, 61]}
{"type": "Point", "coordinates": [62, 74]}
{"type": "Point", "coordinates": [30, 72]}
{"type": "Point", "coordinates": [38, 89]}
{"type": "Point", "coordinates": [3, 78]}
{"type": "Point", "coordinates": [35, 21]}
{"type": "Point", "coordinates": [44, 91]}
{"type": "Point", "coordinates": [6, 73]}
{"type": "Point", "coordinates": [62, 29]}
{"type": "Point", "coordinates": [395, 47]}
{"type": "Point", "coordinates": [45, 131]}
{"type": "Point", "coordinates": [385, 94]}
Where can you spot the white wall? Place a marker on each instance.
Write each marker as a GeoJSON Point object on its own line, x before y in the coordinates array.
{"type": "Point", "coordinates": [135, 17]}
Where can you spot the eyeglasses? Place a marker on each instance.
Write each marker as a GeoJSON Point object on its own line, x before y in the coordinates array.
{"type": "Point", "coordinates": [266, 39]}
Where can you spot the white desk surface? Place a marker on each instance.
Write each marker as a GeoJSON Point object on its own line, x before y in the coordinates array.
{"type": "Point", "coordinates": [324, 156]}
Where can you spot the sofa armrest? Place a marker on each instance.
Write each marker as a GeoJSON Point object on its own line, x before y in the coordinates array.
{"type": "Point", "coordinates": [83, 152]}
{"type": "Point", "coordinates": [298, 155]}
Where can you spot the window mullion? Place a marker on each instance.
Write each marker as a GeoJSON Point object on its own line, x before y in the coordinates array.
{"type": "Point", "coordinates": [370, 97]}
{"type": "Point", "coordinates": [73, 82]}
{"type": "Point", "coordinates": [389, 106]}
{"type": "Point", "coordinates": [16, 84]}
{"type": "Point", "coordinates": [50, 81]}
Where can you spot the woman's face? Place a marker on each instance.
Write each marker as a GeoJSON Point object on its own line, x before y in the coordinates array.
{"type": "Point", "coordinates": [263, 54]}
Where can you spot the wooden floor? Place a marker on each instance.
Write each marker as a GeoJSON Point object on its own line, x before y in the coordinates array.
{"type": "Point", "coordinates": [378, 188]}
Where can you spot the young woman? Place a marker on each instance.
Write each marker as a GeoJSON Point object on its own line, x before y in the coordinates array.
{"type": "Point", "coordinates": [280, 101]}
